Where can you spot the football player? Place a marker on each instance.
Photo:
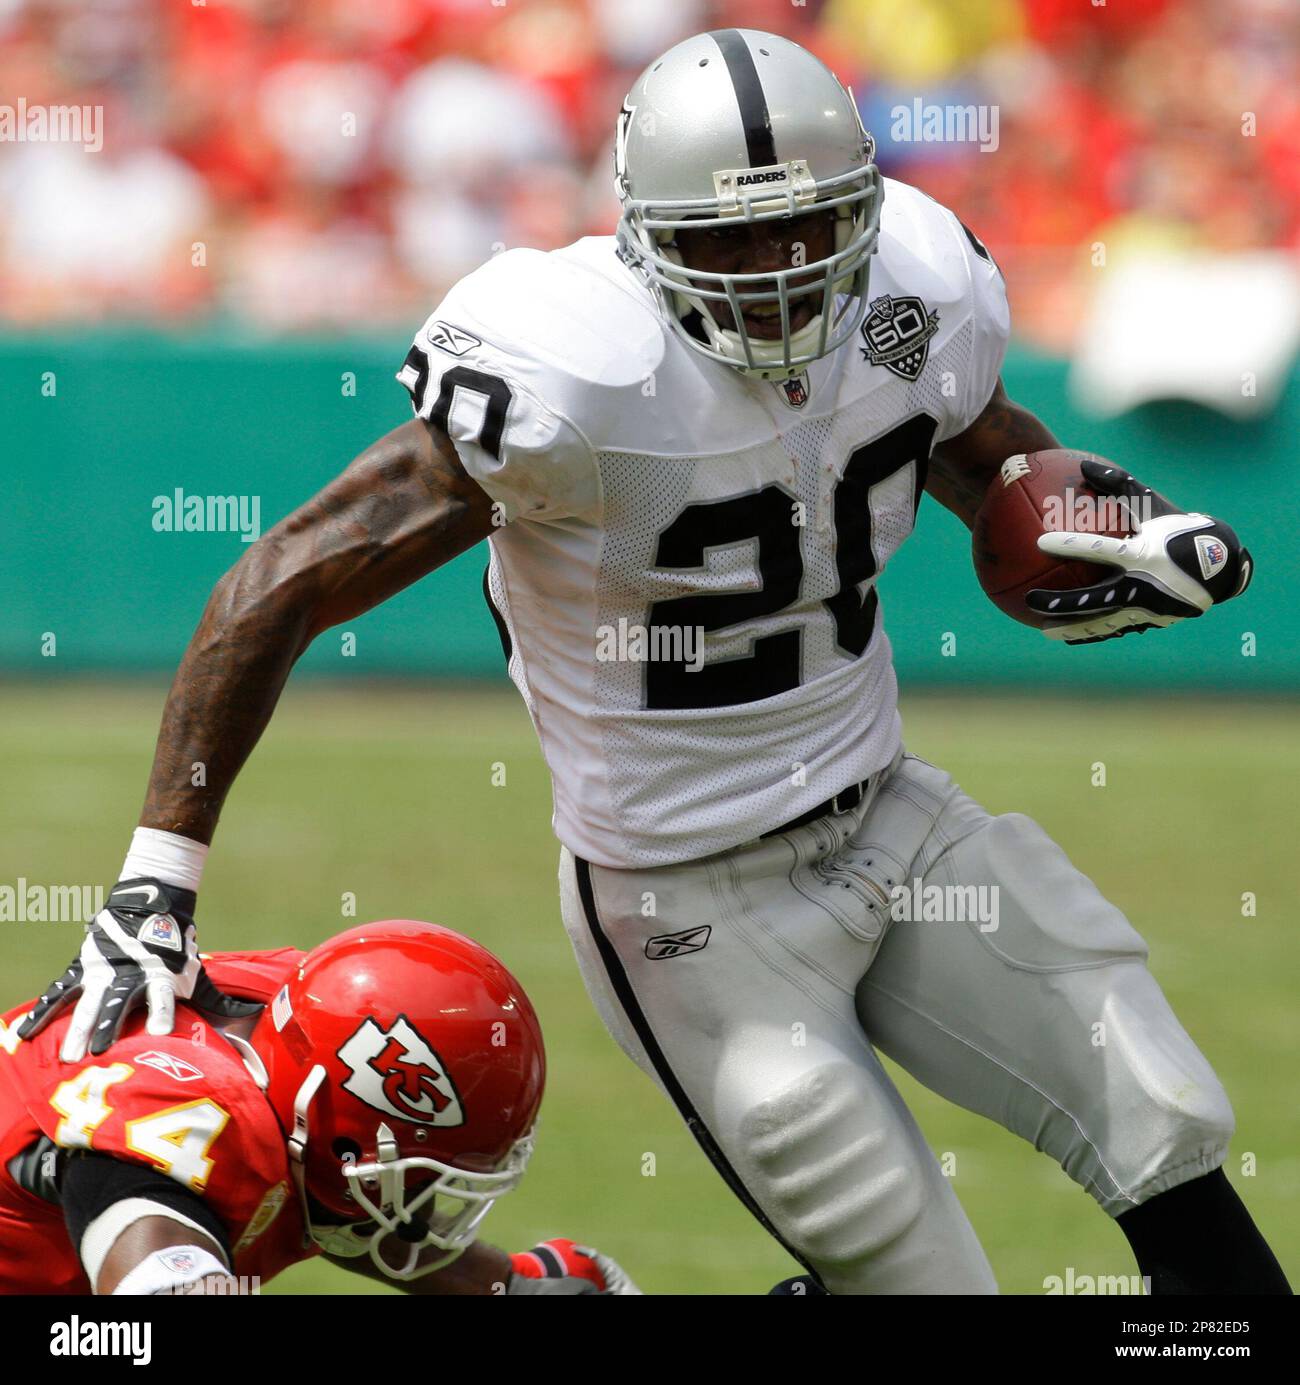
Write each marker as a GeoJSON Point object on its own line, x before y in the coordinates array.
{"type": "Point", "coordinates": [373, 1101]}
{"type": "Point", "coordinates": [694, 447]}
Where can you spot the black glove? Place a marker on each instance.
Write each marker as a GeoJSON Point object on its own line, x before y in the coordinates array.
{"type": "Point", "coordinates": [140, 946]}
{"type": "Point", "coordinates": [1174, 566]}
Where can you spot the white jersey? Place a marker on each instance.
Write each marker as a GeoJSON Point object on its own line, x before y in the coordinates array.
{"type": "Point", "coordinates": [687, 562]}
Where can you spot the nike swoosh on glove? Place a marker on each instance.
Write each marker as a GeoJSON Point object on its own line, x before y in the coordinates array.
{"type": "Point", "coordinates": [1174, 566]}
{"type": "Point", "coordinates": [140, 947]}
{"type": "Point", "coordinates": [560, 1266]}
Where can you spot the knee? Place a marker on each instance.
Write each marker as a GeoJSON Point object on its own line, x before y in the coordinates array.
{"type": "Point", "coordinates": [838, 1178]}
{"type": "Point", "coordinates": [1194, 1122]}
{"type": "Point", "coordinates": [1177, 1130]}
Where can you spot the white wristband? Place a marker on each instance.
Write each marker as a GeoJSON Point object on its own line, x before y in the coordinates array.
{"type": "Point", "coordinates": [101, 1235]}
{"type": "Point", "coordinates": [165, 856]}
{"type": "Point", "coordinates": [171, 1270]}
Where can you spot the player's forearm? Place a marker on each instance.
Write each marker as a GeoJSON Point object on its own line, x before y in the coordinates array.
{"type": "Point", "coordinates": [222, 697]}
{"type": "Point", "coordinates": [962, 468]}
{"type": "Point", "coordinates": [146, 1237]}
{"type": "Point", "coordinates": [400, 510]}
{"type": "Point", "coordinates": [481, 1270]}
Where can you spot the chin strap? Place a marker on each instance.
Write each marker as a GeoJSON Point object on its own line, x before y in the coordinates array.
{"type": "Point", "coordinates": [297, 1143]}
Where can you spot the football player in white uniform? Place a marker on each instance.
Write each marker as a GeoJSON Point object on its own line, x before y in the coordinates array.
{"type": "Point", "coordinates": [694, 447]}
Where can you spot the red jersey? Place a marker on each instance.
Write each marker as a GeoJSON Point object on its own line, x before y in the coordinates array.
{"type": "Point", "coordinates": [185, 1105]}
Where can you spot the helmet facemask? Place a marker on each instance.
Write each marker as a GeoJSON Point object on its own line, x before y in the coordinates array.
{"type": "Point", "coordinates": [443, 1210]}
{"type": "Point", "coordinates": [837, 283]}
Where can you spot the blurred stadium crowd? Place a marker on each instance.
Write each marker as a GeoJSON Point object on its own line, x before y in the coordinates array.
{"type": "Point", "coordinates": [341, 162]}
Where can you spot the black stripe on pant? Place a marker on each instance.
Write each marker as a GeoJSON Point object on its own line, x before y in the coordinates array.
{"type": "Point", "coordinates": [685, 1107]}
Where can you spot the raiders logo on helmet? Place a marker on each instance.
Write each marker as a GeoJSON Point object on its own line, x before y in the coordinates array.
{"type": "Point", "coordinates": [396, 1071]}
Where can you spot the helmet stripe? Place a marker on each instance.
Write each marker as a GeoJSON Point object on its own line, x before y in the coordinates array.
{"type": "Point", "coordinates": [754, 115]}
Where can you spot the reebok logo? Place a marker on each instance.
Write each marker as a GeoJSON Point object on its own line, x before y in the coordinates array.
{"type": "Point", "coordinates": [170, 1064]}
{"type": "Point", "coordinates": [455, 341]}
{"type": "Point", "coordinates": [675, 944]}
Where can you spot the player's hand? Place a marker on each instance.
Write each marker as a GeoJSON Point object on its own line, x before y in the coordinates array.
{"type": "Point", "coordinates": [563, 1267]}
{"type": "Point", "coordinates": [140, 947]}
{"type": "Point", "coordinates": [1174, 566]}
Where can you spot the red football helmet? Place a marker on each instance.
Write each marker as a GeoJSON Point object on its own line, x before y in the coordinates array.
{"type": "Point", "coordinates": [400, 1049]}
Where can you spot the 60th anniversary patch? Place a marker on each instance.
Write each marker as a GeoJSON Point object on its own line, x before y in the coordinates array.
{"type": "Point", "coordinates": [897, 332]}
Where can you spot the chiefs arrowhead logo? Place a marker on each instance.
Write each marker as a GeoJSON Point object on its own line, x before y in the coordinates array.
{"type": "Point", "coordinates": [396, 1071]}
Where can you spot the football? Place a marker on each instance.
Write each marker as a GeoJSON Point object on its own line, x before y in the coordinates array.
{"type": "Point", "coordinates": [1034, 494]}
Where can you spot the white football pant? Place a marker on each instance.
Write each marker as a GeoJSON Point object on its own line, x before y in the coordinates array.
{"type": "Point", "coordinates": [752, 986]}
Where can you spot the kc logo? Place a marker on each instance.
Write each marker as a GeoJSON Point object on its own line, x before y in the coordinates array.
{"type": "Point", "coordinates": [396, 1071]}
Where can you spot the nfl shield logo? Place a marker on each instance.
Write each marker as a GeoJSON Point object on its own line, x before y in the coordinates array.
{"type": "Point", "coordinates": [1212, 554]}
{"type": "Point", "coordinates": [162, 931]}
{"type": "Point", "coordinates": [795, 390]}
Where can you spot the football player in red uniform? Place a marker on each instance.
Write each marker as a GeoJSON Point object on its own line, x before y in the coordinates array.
{"type": "Point", "coordinates": [375, 1098]}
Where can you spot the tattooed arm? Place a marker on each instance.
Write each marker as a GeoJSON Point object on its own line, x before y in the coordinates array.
{"type": "Point", "coordinates": [403, 508]}
{"type": "Point", "coordinates": [961, 468]}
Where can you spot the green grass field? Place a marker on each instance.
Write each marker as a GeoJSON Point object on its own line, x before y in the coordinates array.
{"type": "Point", "coordinates": [387, 793]}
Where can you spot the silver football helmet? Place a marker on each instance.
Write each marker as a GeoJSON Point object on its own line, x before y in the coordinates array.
{"type": "Point", "coordinates": [739, 125]}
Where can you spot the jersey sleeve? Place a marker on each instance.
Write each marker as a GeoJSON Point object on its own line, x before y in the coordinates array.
{"type": "Point", "coordinates": [990, 317]}
{"type": "Point", "coordinates": [487, 394]}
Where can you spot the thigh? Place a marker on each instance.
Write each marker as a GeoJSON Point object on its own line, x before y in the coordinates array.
{"type": "Point", "coordinates": [1038, 1010]}
{"type": "Point", "coordinates": [734, 990]}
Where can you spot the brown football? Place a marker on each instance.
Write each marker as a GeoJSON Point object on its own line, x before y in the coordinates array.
{"type": "Point", "coordinates": [1037, 494]}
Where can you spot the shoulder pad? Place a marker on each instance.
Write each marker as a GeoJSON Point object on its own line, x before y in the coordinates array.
{"type": "Point", "coordinates": [927, 251]}
{"type": "Point", "coordinates": [572, 327]}
{"type": "Point", "coordinates": [179, 1105]}
{"type": "Point", "coordinates": [924, 245]}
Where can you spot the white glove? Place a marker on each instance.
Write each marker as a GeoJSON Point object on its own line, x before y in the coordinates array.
{"type": "Point", "coordinates": [140, 947]}
{"type": "Point", "coordinates": [1173, 567]}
